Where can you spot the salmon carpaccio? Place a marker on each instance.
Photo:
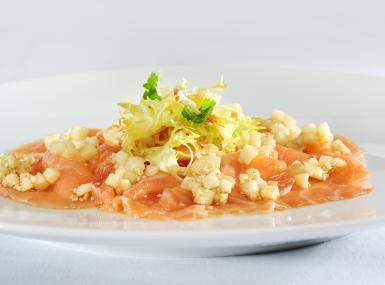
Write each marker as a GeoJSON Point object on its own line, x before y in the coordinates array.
{"type": "Point", "coordinates": [161, 196]}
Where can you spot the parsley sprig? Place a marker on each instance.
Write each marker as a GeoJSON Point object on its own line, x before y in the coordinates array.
{"type": "Point", "coordinates": [151, 87]}
{"type": "Point", "coordinates": [204, 112]}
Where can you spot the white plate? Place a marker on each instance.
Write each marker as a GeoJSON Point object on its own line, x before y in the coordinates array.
{"type": "Point", "coordinates": [352, 104]}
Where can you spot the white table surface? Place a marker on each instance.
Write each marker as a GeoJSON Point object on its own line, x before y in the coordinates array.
{"type": "Point", "coordinates": [40, 38]}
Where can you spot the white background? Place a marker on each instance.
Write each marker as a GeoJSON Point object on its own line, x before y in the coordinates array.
{"type": "Point", "coordinates": [44, 37]}
{"type": "Point", "coordinates": [39, 38]}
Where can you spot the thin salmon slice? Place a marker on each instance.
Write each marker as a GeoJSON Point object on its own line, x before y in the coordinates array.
{"type": "Point", "coordinates": [357, 152]}
{"type": "Point", "coordinates": [290, 155]}
{"type": "Point", "coordinates": [72, 174]}
{"type": "Point", "coordinates": [353, 172]}
{"type": "Point", "coordinates": [319, 150]}
{"type": "Point", "coordinates": [158, 196]}
{"type": "Point", "coordinates": [176, 198]}
{"type": "Point", "coordinates": [150, 187]}
{"type": "Point", "coordinates": [240, 204]}
{"type": "Point", "coordinates": [320, 192]}
{"type": "Point", "coordinates": [270, 169]}
{"type": "Point", "coordinates": [35, 147]}
{"type": "Point", "coordinates": [101, 166]}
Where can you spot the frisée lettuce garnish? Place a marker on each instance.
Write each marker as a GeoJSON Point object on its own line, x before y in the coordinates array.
{"type": "Point", "coordinates": [170, 124]}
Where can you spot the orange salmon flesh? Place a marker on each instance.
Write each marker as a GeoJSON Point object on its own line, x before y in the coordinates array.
{"type": "Point", "coordinates": [161, 196]}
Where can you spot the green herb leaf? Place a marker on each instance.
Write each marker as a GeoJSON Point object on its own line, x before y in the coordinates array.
{"type": "Point", "coordinates": [151, 87]}
{"type": "Point", "coordinates": [205, 111]}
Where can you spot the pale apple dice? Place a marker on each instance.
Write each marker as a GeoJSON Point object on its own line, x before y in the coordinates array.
{"type": "Point", "coordinates": [295, 131]}
{"type": "Point", "coordinates": [123, 185]}
{"type": "Point", "coordinates": [135, 164]}
{"type": "Point", "coordinates": [78, 143]}
{"type": "Point", "coordinates": [268, 139]}
{"type": "Point", "coordinates": [309, 138]}
{"type": "Point", "coordinates": [51, 175]}
{"type": "Point", "coordinates": [39, 182]}
{"type": "Point", "coordinates": [221, 198]}
{"type": "Point", "coordinates": [191, 183]}
{"type": "Point", "coordinates": [203, 196]}
{"type": "Point", "coordinates": [79, 133]}
{"type": "Point", "coordinates": [253, 174]}
{"type": "Point", "coordinates": [270, 191]}
{"type": "Point", "coordinates": [313, 161]}
{"type": "Point", "coordinates": [216, 160]}
{"type": "Point", "coordinates": [247, 154]}
{"type": "Point", "coordinates": [151, 170]}
{"type": "Point", "coordinates": [302, 180]}
{"type": "Point", "coordinates": [326, 162]}
{"type": "Point", "coordinates": [266, 151]}
{"type": "Point", "coordinates": [28, 159]}
{"type": "Point", "coordinates": [309, 128]}
{"type": "Point", "coordinates": [124, 174]}
{"type": "Point", "coordinates": [250, 189]}
{"type": "Point", "coordinates": [64, 148]}
{"type": "Point", "coordinates": [112, 136]}
{"type": "Point", "coordinates": [88, 152]}
{"type": "Point", "coordinates": [296, 167]}
{"type": "Point", "coordinates": [255, 140]}
{"type": "Point", "coordinates": [339, 146]}
{"type": "Point", "coordinates": [3, 171]}
{"type": "Point", "coordinates": [92, 140]}
{"type": "Point", "coordinates": [277, 115]}
{"type": "Point", "coordinates": [83, 189]}
{"type": "Point", "coordinates": [309, 134]}
{"type": "Point", "coordinates": [280, 132]}
{"type": "Point", "coordinates": [324, 134]}
{"type": "Point", "coordinates": [226, 185]}
{"type": "Point", "coordinates": [339, 162]}
{"type": "Point", "coordinates": [12, 161]}
{"type": "Point", "coordinates": [201, 167]}
{"type": "Point", "coordinates": [210, 180]}
{"type": "Point", "coordinates": [25, 183]}
{"type": "Point", "coordinates": [120, 158]}
{"type": "Point", "coordinates": [50, 139]}
{"type": "Point", "coordinates": [133, 177]}
{"type": "Point", "coordinates": [281, 138]}
{"type": "Point", "coordinates": [11, 180]}
{"type": "Point", "coordinates": [243, 178]}
{"type": "Point", "coordinates": [112, 180]}
{"type": "Point", "coordinates": [315, 171]}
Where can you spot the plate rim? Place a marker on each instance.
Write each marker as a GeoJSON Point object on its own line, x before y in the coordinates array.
{"type": "Point", "coordinates": [8, 227]}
